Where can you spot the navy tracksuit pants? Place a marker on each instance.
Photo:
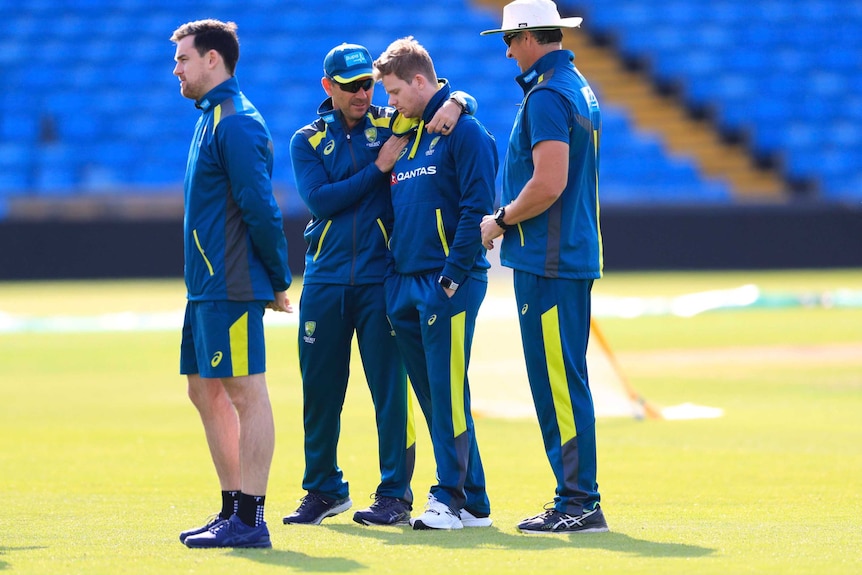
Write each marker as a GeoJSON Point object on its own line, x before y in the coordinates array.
{"type": "Point", "coordinates": [329, 315]}
{"type": "Point", "coordinates": [555, 328]}
{"type": "Point", "coordinates": [434, 333]}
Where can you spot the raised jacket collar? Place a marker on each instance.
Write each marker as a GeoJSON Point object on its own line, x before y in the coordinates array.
{"type": "Point", "coordinates": [219, 94]}
{"type": "Point", "coordinates": [537, 72]}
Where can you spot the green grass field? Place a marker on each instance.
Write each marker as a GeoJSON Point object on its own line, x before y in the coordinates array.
{"type": "Point", "coordinates": [103, 459]}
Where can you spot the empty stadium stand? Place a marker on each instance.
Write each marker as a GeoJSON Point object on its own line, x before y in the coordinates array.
{"type": "Point", "coordinates": [89, 106]}
{"type": "Point", "coordinates": [782, 78]}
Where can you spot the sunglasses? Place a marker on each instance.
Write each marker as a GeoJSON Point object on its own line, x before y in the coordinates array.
{"type": "Point", "coordinates": [507, 38]}
{"type": "Point", "coordinates": [356, 85]}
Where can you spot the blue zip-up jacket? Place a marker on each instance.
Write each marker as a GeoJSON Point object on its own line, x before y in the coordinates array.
{"type": "Point", "coordinates": [565, 241]}
{"type": "Point", "coordinates": [347, 194]}
{"type": "Point", "coordinates": [233, 230]}
{"type": "Point", "coordinates": [441, 187]}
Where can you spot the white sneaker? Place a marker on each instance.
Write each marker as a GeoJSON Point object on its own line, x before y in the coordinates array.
{"type": "Point", "coordinates": [436, 516]}
{"type": "Point", "coordinates": [470, 520]}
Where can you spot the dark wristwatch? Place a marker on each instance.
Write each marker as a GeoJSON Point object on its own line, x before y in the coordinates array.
{"type": "Point", "coordinates": [498, 217]}
{"type": "Point", "coordinates": [448, 283]}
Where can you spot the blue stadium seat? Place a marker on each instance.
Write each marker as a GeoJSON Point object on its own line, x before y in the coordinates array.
{"type": "Point", "coordinates": [121, 120]}
{"type": "Point", "coordinates": [773, 70]}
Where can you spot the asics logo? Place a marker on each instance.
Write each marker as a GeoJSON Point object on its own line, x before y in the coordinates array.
{"type": "Point", "coordinates": [524, 309]}
{"type": "Point", "coordinates": [432, 319]}
{"type": "Point", "coordinates": [216, 358]}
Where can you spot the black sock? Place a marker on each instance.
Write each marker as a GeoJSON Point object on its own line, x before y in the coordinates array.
{"type": "Point", "coordinates": [250, 509]}
{"type": "Point", "coordinates": [229, 503]}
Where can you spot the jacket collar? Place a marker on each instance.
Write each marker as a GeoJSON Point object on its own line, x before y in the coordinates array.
{"type": "Point", "coordinates": [544, 67]}
{"type": "Point", "coordinates": [437, 100]}
{"type": "Point", "coordinates": [219, 94]}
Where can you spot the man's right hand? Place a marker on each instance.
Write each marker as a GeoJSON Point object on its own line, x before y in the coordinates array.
{"type": "Point", "coordinates": [389, 152]}
{"type": "Point", "coordinates": [280, 303]}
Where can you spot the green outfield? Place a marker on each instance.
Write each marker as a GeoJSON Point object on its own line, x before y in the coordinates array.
{"type": "Point", "coordinates": [103, 460]}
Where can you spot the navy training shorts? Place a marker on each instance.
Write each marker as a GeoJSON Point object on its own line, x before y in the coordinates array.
{"type": "Point", "coordinates": [223, 339]}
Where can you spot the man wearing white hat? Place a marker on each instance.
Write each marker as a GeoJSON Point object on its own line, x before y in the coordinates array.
{"type": "Point", "coordinates": [552, 239]}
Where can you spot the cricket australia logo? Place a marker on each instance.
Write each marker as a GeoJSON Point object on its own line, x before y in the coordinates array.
{"type": "Point", "coordinates": [371, 134]}
{"type": "Point", "coordinates": [430, 151]}
{"type": "Point", "coordinates": [310, 326]}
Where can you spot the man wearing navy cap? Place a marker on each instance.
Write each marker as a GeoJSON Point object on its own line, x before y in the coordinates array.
{"type": "Point", "coordinates": [550, 218]}
{"type": "Point", "coordinates": [341, 164]}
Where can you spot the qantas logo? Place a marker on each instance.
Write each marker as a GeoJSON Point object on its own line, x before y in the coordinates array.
{"type": "Point", "coordinates": [414, 173]}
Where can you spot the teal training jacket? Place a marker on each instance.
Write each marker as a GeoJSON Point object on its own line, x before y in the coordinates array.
{"type": "Point", "coordinates": [565, 240]}
{"type": "Point", "coordinates": [233, 229]}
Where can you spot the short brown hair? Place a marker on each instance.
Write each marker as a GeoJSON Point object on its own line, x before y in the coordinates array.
{"type": "Point", "coordinates": [211, 34]}
{"type": "Point", "coordinates": [552, 36]}
{"type": "Point", "coordinates": [405, 58]}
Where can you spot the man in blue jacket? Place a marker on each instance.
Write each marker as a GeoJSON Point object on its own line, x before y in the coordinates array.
{"type": "Point", "coordinates": [441, 186]}
{"type": "Point", "coordinates": [550, 218]}
{"type": "Point", "coordinates": [341, 164]}
{"type": "Point", "coordinates": [235, 267]}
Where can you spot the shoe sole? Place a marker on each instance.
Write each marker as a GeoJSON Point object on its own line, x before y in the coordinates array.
{"type": "Point", "coordinates": [564, 532]}
{"type": "Point", "coordinates": [260, 545]}
{"type": "Point", "coordinates": [373, 524]}
{"type": "Point", "coordinates": [330, 513]}
{"type": "Point", "coordinates": [418, 525]}
{"type": "Point", "coordinates": [478, 522]}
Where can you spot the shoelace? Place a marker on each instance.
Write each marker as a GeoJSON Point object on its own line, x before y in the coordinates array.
{"type": "Point", "coordinates": [385, 503]}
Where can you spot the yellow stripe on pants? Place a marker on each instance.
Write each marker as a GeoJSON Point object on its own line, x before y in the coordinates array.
{"type": "Point", "coordinates": [557, 375]}
{"type": "Point", "coordinates": [411, 421]}
{"type": "Point", "coordinates": [456, 373]}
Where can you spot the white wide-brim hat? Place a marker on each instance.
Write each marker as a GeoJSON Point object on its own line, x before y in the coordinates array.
{"type": "Point", "coordinates": [533, 15]}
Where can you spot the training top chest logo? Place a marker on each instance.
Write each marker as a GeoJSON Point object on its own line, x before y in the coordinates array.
{"type": "Point", "coordinates": [329, 147]}
{"type": "Point", "coordinates": [430, 151]}
{"type": "Point", "coordinates": [371, 134]}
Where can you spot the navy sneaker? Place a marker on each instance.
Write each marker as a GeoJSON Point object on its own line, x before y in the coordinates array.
{"type": "Point", "coordinates": [385, 511]}
{"type": "Point", "coordinates": [553, 521]}
{"type": "Point", "coordinates": [315, 508]}
{"type": "Point", "coordinates": [211, 522]}
{"type": "Point", "coordinates": [231, 533]}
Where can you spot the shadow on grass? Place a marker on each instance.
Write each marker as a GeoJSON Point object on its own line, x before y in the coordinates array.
{"type": "Point", "coordinates": [494, 538]}
{"type": "Point", "coordinates": [3, 550]}
{"type": "Point", "coordinates": [299, 561]}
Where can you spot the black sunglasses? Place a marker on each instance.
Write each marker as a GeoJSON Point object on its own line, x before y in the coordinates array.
{"type": "Point", "coordinates": [507, 38]}
{"type": "Point", "coordinates": [356, 85]}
